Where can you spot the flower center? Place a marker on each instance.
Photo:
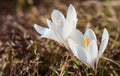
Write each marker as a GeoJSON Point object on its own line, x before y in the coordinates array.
{"type": "Point", "coordinates": [86, 42]}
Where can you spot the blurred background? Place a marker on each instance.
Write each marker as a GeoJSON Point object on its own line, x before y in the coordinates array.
{"type": "Point", "coordinates": [24, 53]}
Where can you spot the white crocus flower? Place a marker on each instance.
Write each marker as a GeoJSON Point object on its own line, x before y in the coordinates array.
{"type": "Point", "coordinates": [85, 47]}
{"type": "Point", "coordinates": [60, 29]}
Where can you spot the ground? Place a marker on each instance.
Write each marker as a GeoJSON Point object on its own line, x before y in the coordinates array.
{"type": "Point", "coordinates": [24, 53]}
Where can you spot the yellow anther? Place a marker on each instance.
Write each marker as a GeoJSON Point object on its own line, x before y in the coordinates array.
{"type": "Point", "coordinates": [86, 42]}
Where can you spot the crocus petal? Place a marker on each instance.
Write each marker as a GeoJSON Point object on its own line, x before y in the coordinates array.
{"type": "Point", "coordinates": [104, 42]}
{"type": "Point", "coordinates": [78, 51]}
{"type": "Point", "coordinates": [70, 22]}
{"type": "Point", "coordinates": [67, 29]}
{"type": "Point", "coordinates": [90, 34]}
{"type": "Point", "coordinates": [45, 32]}
{"type": "Point", "coordinates": [57, 17]}
{"type": "Point", "coordinates": [71, 13]}
{"type": "Point", "coordinates": [56, 30]}
{"type": "Point", "coordinates": [75, 23]}
{"type": "Point", "coordinates": [92, 53]}
{"type": "Point", "coordinates": [40, 30]}
{"type": "Point", "coordinates": [77, 36]}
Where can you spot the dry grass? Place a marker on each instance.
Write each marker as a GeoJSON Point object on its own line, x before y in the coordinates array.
{"type": "Point", "coordinates": [24, 53]}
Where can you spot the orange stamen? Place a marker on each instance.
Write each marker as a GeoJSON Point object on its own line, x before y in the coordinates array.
{"type": "Point", "coordinates": [86, 42]}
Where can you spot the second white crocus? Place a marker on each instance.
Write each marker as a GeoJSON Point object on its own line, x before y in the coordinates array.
{"type": "Point", "coordinates": [85, 47]}
{"type": "Point", "coordinates": [60, 28]}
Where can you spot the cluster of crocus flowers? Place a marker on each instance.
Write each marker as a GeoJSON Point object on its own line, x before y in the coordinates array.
{"type": "Point", "coordinates": [63, 30]}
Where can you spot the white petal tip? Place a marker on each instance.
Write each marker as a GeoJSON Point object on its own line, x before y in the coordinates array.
{"type": "Point", "coordinates": [48, 21]}
{"type": "Point", "coordinates": [71, 6]}
{"type": "Point", "coordinates": [40, 29]}
{"type": "Point", "coordinates": [36, 26]}
{"type": "Point", "coordinates": [55, 11]}
{"type": "Point", "coordinates": [105, 32]}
